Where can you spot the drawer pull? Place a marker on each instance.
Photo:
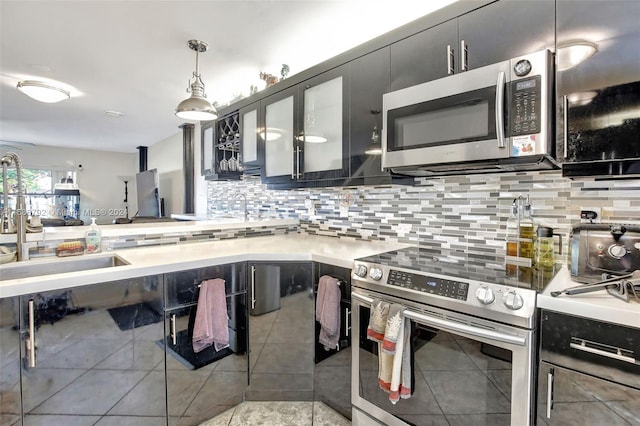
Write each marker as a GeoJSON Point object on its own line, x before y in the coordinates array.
{"type": "Point", "coordinates": [612, 352]}
{"type": "Point", "coordinates": [31, 343]}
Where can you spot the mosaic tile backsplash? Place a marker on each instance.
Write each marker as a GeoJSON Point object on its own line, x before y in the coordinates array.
{"type": "Point", "coordinates": [454, 213]}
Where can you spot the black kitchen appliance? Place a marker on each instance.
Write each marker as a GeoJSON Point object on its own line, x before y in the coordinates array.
{"type": "Point", "coordinates": [473, 338]}
{"type": "Point", "coordinates": [603, 248]}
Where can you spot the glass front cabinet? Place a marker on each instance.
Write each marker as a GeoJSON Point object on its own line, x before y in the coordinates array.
{"type": "Point", "coordinates": [305, 131]}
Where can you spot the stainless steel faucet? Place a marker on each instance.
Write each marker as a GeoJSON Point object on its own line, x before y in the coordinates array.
{"type": "Point", "coordinates": [244, 198]}
{"type": "Point", "coordinates": [11, 158]}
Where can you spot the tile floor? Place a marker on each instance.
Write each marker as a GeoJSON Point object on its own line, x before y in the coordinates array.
{"type": "Point", "coordinates": [280, 413]}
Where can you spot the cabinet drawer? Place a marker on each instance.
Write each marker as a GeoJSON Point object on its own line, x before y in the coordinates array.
{"type": "Point", "coordinates": [182, 287]}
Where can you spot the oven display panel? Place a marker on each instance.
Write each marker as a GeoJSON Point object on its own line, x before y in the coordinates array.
{"type": "Point", "coordinates": [442, 287]}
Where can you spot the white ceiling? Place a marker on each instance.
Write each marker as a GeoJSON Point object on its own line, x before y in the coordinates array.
{"type": "Point", "coordinates": [132, 57]}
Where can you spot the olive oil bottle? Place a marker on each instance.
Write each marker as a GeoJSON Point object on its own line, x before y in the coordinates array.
{"type": "Point", "coordinates": [526, 234]}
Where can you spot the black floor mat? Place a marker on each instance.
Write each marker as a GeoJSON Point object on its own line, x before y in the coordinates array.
{"type": "Point", "coordinates": [133, 316]}
{"type": "Point", "coordinates": [183, 351]}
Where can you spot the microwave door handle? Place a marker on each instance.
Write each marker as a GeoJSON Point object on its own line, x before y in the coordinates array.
{"type": "Point", "coordinates": [565, 117]}
{"type": "Point", "coordinates": [500, 109]}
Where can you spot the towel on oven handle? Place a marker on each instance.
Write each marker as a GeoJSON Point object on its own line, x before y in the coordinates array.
{"type": "Point", "coordinates": [394, 356]}
{"type": "Point", "coordinates": [377, 320]}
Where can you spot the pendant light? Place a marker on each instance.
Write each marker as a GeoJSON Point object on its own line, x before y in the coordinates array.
{"type": "Point", "coordinates": [43, 92]}
{"type": "Point", "coordinates": [196, 107]}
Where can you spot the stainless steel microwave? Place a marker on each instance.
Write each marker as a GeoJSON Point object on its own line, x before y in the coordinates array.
{"type": "Point", "coordinates": [495, 118]}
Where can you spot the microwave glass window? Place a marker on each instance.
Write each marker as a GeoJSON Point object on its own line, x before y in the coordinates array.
{"type": "Point", "coordinates": [451, 124]}
{"type": "Point", "coordinates": [460, 118]}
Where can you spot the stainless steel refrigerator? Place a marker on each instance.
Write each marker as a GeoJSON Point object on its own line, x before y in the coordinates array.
{"type": "Point", "coordinates": [264, 288]}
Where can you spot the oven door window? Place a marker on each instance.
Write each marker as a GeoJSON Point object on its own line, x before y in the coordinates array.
{"type": "Point", "coordinates": [456, 380]}
{"type": "Point", "coordinates": [460, 118]}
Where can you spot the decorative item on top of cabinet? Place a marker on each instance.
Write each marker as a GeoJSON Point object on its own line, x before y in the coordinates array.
{"type": "Point", "coordinates": [471, 41]}
{"type": "Point", "coordinates": [221, 149]}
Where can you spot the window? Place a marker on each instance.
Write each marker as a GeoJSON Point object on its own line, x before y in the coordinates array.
{"type": "Point", "coordinates": [38, 186]}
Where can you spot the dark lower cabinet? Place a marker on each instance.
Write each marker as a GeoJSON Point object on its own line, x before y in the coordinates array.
{"type": "Point", "coordinates": [10, 399]}
{"type": "Point", "coordinates": [332, 371]}
{"type": "Point", "coordinates": [566, 397]}
{"type": "Point", "coordinates": [90, 353]}
{"type": "Point", "coordinates": [281, 340]}
{"type": "Point", "coordinates": [201, 385]}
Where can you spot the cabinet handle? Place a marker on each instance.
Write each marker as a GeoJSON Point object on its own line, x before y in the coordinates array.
{"type": "Point", "coordinates": [549, 392]}
{"type": "Point", "coordinates": [464, 57]}
{"type": "Point", "coordinates": [298, 175]}
{"type": "Point", "coordinates": [500, 109]}
{"type": "Point", "coordinates": [31, 343]}
{"type": "Point", "coordinates": [174, 337]}
{"type": "Point", "coordinates": [450, 60]}
{"type": "Point", "coordinates": [253, 287]}
{"type": "Point", "coordinates": [347, 325]}
{"type": "Point", "coordinates": [593, 348]}
{"type": "Point", "coordinates": [565, 130]}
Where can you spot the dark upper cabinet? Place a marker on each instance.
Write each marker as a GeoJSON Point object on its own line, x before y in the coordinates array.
{"type": "Point", "coordinates": [505, 29]}
{"type": "Point", "coordinates": [250, 148]}
{"type": "Point", "coordinates": [221, 148]}
{"type": "Point", "coordinates": [305, 131]}
{"type": "Point", "coordinates": [425, 56]}
{"type": "Point", "coordinates": [598, 114]}
{"type": "Point", "coordinates": [369, 80]}
{"type": "Point", "coordinates": [493, 33]}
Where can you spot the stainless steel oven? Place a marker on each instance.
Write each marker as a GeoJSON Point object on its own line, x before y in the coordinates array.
{"type": "Point", "coordinates": [498, 117]}
{"type": "Point", "coordinates": [472, 341]}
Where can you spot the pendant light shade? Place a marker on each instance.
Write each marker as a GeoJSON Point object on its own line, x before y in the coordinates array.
{"type": "Point", "coordinates": [196, 107]}
{"type": "Point", "coordinates": [43, 92]}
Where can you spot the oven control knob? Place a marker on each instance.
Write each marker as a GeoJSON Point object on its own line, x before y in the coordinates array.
{"type": "Point", "coordinates": [617, 251]}
{"type": "Point", "coordinates": [485, 295]}
{"type": "Point", "coordinates": [513, 300]}
{"type": "Point", "coordinates": [361, 271]}
{"type": "Point", "coordinates": [375, 274]}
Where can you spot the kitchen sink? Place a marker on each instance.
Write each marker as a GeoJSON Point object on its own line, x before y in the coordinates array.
{"type": "Point", "coordinates": [30, 269]}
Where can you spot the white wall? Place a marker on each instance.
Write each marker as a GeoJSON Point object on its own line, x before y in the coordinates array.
{"type": "Point", "coordinates": [101, 180]}
{"type": "Point", "coordinates": [167, 157]}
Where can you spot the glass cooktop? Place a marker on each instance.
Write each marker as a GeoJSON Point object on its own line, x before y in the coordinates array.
{"type": "Point", "coordinates": [457, 265]}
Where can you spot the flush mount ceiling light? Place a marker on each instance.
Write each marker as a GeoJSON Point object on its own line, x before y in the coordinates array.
{"type": "Point", "coordinates": [573, 53]}
{"type": "Point", "coordinates": [43, 92]}
{"type": "Point", "coordinates": [196, 107]}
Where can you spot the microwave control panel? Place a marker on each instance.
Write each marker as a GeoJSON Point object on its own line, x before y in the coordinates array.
{"type": "Point", "coordinates": [524, 108]}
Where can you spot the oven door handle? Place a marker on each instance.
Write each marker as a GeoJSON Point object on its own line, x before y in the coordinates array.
{"type": "Point", "coordinates": [446, 325]}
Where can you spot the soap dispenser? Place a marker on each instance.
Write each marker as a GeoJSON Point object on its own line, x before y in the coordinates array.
{"type": "Point", "coordinates": [93, 237]}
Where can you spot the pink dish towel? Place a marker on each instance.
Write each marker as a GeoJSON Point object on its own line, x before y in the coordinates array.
{"type": "Point", "coordinates": [210, 326]}
{"type": "Point", "coordinates": [328, 311]}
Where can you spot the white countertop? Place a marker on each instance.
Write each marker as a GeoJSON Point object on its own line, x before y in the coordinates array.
{"type": "Point", "coordinates": [599, 305]}
{"type": "Point", "coordinates": [170, 258]}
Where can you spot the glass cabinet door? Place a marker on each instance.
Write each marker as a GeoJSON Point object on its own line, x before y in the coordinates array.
{"type": "Point", "coordinates": [278, 135]}
{"type": "Point", "coordinates": [92, 354]}
{"type": "Point", "coordinates": [249, 135]}
{"type": "Point", "coordinates": [323, 126]}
